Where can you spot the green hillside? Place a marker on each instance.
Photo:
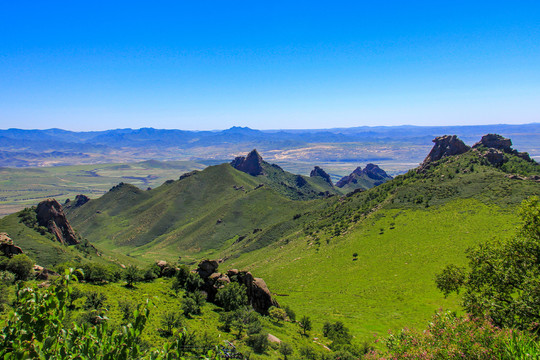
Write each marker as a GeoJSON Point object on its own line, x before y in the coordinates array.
{"type": "Point", "coordinates": [367, 258]}
{"type": "Point", "coordinates": [195, 216]}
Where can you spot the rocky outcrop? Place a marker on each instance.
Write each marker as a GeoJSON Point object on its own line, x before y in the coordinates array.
{"type": "Point", "coordinates": [317, 171]}
{"type": "Point", "coordinates": [251, 164]}
{"type": "Point", "coordinates": [42, 273]}
{"type": "Point", "coordinates": [258, 294]}
{"type": "Point", "coordinates": [257, 291]}
{"type": "Point", "coordinates": [207, 268]}
{"type": "Point", "coordinates": [447, 145]}
{"type": "Point", "coordinates": [371, 171]}
{"type": "Point", "coordinates": [496, 146]}
{"type": "Point", "coordinates": [495, 141]}
{"type": "Point", "coordinates": [49, 213]}
{"type": "Point", "coordinates": [7, 247]}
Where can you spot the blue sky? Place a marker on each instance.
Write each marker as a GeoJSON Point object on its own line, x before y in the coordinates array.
{"type": "Point", "coordinates": [267, 65]}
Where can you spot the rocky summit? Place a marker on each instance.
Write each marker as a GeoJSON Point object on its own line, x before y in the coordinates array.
{"type": "Point", "coordinates": [50, 214]}
{"type": "Point", "coordinates": [497, 145]}
{"type": "Point", "coordinates": [447, 145]}
{"type": "Point", "coordinates": [251, 164]}
{"type": "Point", "coordinates": [317, 171]}
{"type": "Point", "coordinates": [371, 171]}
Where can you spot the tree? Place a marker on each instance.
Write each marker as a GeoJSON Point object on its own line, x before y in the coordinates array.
{"type": "Point", "coordinates": [276, 313]}
{"type": "Point", "coordinates": [132, 275]}
{"type": "Point", "coordinates": [285, 349]}
{"type": "Point", "coordinates": [503, 280]}
{"type": "Point", "coordinates": [337, 332]}
{"type": "Point", "coordinates": [305, 324]}
{"type": "Point", "coordinates": [232, 297]}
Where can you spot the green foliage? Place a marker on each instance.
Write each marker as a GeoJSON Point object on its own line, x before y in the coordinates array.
{"type": "Point", "coordinates": [504, 278]}
{"type": "Point", "coordinates": [95, 272]}
{"type": "Point", "coordinates": [232, 296]}
{"type": "Point", "coordinates": [290, 313]}
{"type": "Point", "coordinates": [36, 329]}
{"type": "Point", "coordinates": [305, 324]}
{"type": "Point", "coordinates": [20, 265]}
{"type": "Point", "coordinates": [190, 306]}
{"type": "Point", "coordinates": [338, 333]}
{"type": "Point", "coordinates": [451, 279]}
{"type": "Point", "coordinates": [259, 342]}
{"type": "Point", "coordinates": [170, 320]}
{"type": "Point", "coordinates": [285, 349]}
{"type": "Point", "coordinates": [276, 313]}
{"type": "Point", "coordinates": [7, 277]}
{"type": "Point", "coordinates": [132, 274]}
{"type": "Point", "coordinates": [449, 336]}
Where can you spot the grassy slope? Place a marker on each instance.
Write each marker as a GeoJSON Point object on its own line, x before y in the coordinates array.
{"type": "Point", "coordinates": [196, 215]}
{"type": "Point", "coordinates": [163, 299]}
{"type": "Point", "coordinates": [391, 284]}
{"type": "Point", "coordinates": [426, 222]}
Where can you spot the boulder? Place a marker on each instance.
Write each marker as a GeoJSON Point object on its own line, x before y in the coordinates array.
{"type": "Point", "coordinates": [317, 171]}
{"type": "Point", "coordinates": [7, 247]}
{"type": "Point", "coordinates": [257, 292]}
{"type": "Point", "coordinates": [251, 164]}
{"type": "Point", "coordinates": [42, 273]}
{"type": "Point", "coordinates": [49, 213]}
{"type": "Point", "coordinates": [447, 145]}
{"type": "Point", "coordinates": [207, 268]}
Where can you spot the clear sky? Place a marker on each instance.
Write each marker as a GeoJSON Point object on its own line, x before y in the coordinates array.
{"type": "Point", "coordinates": [92, 65]}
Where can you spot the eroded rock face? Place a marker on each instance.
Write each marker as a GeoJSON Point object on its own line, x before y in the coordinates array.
{"type": "Point", "coordinates": [207, 268]}
{"type": "Point", "coordinates": [7, 247]}
{"type": "Point", "coordinates": [495, 157]}
{"type": "Point", "coordinates": [371, 171]}
{"type": "Point", "coordinates": [49, 213]}
{"type": "Point", "coordinates": [447, 145]}
{"type": "Point", "coordinates": [317, 171]}
{"type": "Point", "coordinates": [81, 199]}
{"type": "Point", "coordinates": [495, 141]}
{"type": "Point", "coordinates": [258, 294]}
{"type": "Point", "coordinates": [251, 164]}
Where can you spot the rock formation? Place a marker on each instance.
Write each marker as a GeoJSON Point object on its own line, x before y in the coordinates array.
{"type": "Point", "coordinates": [257, 292]}
{"type": "Point", "coordinates": [7, 247]}
{"type": "Point", "coordinates": [447, 145]}
{"type": "Point", "coordinates": [371, 171]}
{"type": "Point", "coordinates": [49, 213]}
{"type": "Point", "coordinates": [497, 145]}
{"type": "Point", "coordinates": [317, 171]}
{"type": "Point", "coordinates": [251, 164]}
{"type": "Point", "coordinates": [495, 141]}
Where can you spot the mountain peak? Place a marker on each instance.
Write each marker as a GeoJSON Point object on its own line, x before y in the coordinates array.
{"type": "Point", "coordinates": [250, 164]}
{"type": "Point", "coordinates": [373, 172]}
{"type": "Point", "coordinates": [447, 145]}
{"type": "Point", "coordinates": [317, 171]}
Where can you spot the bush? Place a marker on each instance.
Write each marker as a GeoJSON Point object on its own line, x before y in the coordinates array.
{"type": "Point", "coordinates": [449, 336]}
{"type": "Point", "coordinates": [338, 333]}
{"type": "Point", "coordinates": [232, 297]}
{"type": "Point", "coordinates": [7, 277]}
{"type": "Point", "coordinates": [132, 274]}
{"type": "Point", "coordinates": [21, 266]}
{"type": "Point", "coordinates": [258, 342]}
{"type": "Point", "coordinates": [170, 320]}
{"type": "Point", "coordinates": [277, 313]}
{"type": "Point", "coordinates": [190, 307]}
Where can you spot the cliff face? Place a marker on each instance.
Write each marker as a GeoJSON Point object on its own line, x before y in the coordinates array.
{"type": "Point", "coordinates": [251, 164]}
{"type": "Point", "coordinates": [49, 213]}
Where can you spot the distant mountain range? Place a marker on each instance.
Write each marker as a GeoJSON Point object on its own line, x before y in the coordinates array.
{"type": "Point", "coordinates": [21, 148]}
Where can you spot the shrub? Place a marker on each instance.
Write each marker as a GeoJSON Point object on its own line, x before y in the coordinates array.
{"type": "Point", "coordinates": [285, 349]}
{"type": "Point", "coordinates": [7, 277]}
{"type": "Point", "coordinates": [21, 266]}
{"type": "Point", "coordinates": [258, 342]}
{"type": "Point", "coordinates": [276, 313]}
{"type": "Point", "coordinates": [337, 332]}
{"type": "Point", "coordinates": [232, 297]}
{"type": "Point", "coordinates": [190, 307]}
{"type": "Point", "coordinates": [449, 336]}
{"type": "Point", "coordinates": [132, 274]}
{"type": "Point", "coordinates": [170, 320]}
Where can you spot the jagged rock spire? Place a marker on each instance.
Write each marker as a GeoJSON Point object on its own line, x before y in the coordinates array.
{"type": "Point", "coordinates": [49, 213]}
{"type": "Point", "coordinates": [317, 171]}
{"type": "Point", "coordinates": [251, 164]}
